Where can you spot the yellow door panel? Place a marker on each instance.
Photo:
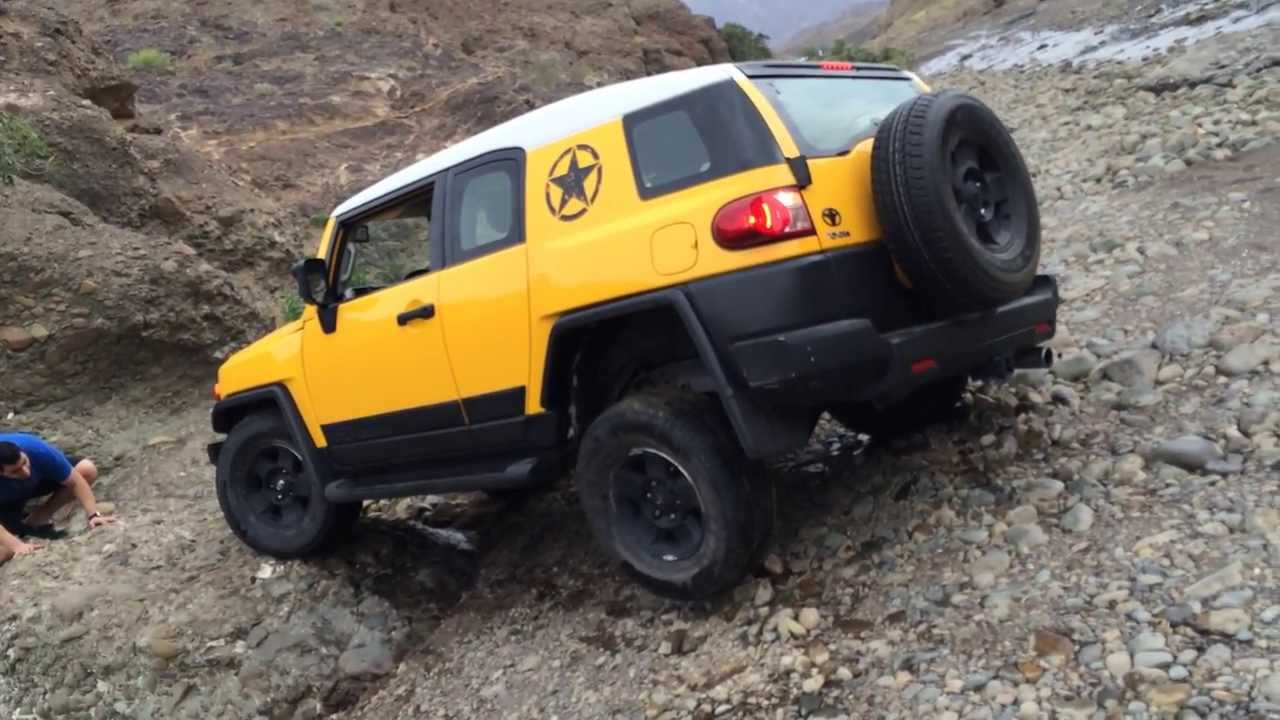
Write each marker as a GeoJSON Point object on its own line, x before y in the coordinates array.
{"type": "Point", "coordinates": [484, 308]}
{"type": "Point", "coordinates": [674, 248]}
{"type": "Point", "coordinates": [373, 364]}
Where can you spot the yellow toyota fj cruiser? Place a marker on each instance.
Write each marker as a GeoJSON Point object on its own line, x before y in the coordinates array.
{"type": "Point", "coordinates": [658, 283]}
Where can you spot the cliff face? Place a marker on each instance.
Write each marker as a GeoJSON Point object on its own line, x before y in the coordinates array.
{"type": "Point", "coordinates": [310, 101]}
{"type": "Point", "coordinates": [125, 255]}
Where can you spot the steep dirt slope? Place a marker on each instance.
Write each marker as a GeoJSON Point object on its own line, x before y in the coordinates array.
{"type": "Point", "coordinates": [128, 257]}
{"type": "Point", "coordinates": [310, 101]}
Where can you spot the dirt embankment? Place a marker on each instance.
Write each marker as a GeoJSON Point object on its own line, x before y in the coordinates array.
{"type": "Point", "coordinates": [309, 102]}
{"type": "Point", "coordinates": [127, 257]}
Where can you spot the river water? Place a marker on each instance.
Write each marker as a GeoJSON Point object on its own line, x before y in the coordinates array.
{"type": "Point", "coordinates": [1127, 42]}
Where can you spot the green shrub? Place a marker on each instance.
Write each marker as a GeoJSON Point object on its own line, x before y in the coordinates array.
{"type": "Point", "coordinates": [319, 221]}
{"type": "Point", "coordinates": [149, 58]}
{"type": "Point", "coordinates": [292, 307]}
{"type": "Point", "coordinates": [842, 50]}
{"type": "Point", "coordinates": [22, 150]}
{"type": "Point", "coordinates": [745, 44]}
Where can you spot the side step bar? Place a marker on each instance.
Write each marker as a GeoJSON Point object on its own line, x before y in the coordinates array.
{"type": "Point", "coordinates": [518, 475]}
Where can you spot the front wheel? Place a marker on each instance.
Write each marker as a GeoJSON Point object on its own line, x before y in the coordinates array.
{"type": "Point", "coordinates": [269, 498]}
{"type": "Point", "coordinates": [666, 490]}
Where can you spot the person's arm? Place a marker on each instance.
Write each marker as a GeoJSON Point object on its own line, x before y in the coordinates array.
{"type": "Point", "coordinates": [18, 547]}
{"type": "Point", "coordinates": [84, 494]}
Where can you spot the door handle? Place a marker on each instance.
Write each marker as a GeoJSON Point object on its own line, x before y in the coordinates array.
{"type": "Point", "coordinates": [422, 312]}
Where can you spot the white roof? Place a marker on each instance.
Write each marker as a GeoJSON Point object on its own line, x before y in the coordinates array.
{"type": "Point", "coordinates": [551, 122]}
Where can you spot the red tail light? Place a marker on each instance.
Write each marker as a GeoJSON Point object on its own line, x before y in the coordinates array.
{"type": "Point", "coordinates": [764, 218]}
{"type": "Point", "coordinates": [837, 65]}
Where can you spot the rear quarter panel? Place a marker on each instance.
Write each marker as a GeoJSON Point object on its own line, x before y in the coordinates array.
{"type": "Point", "coordinates": [606, 253]}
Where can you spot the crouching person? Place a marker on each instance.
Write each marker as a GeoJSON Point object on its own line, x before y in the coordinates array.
{"type": "Point", "coordinates": [31, 468]}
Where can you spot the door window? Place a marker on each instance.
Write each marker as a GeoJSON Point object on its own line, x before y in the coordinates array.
{"type": "Point", "coordinates": [386, 247]}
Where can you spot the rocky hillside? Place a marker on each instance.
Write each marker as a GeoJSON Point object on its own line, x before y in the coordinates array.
{"type": "Point", "coordinates": [1097, 541]}
{"type": "Point", "coordinates": [783, 20]}
{"type": "Point", "coordinates": [856, 25]}
{"type": "Point", "coordinates": [126, 256]}
{"type": "Point", "coordinates": [308, 102]}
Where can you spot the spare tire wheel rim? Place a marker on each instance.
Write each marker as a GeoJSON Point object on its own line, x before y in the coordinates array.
{"type": "Point", "coordinates": [274, 487]}
{"type": "Point", "coordinates": [656, 506]}
{"type": "Point", "coordinates": [981, 189]}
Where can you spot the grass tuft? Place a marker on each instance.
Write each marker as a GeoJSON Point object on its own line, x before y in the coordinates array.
{"type": "Point", "coordinates": [22, 150]}
{"type": "Point", "coordinates": [149, 58]}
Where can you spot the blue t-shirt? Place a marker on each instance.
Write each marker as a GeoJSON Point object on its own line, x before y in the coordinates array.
{"type": "Point", "coordinates": [49, 469]}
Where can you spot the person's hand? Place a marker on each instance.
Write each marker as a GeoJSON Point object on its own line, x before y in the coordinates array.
{"type": "Point", "coordinates": [25, 548]}
{"type": "Point", "coordinates": [99, 520]}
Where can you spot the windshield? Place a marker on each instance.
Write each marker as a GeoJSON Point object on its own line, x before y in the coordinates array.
{"type": "Point", "coordinates": [827, 116]}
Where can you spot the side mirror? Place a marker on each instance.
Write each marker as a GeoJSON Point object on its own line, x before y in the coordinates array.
{"type": "Point", "coordinates": [313, 281]}
{"type": "Point", "coordinates": [358, 234]}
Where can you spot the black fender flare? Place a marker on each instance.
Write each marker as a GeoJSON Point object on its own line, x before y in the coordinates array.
{"type": "Point", "coordinates": [230, 410]}
{"type": "Point", "coordinates": [761, 431]}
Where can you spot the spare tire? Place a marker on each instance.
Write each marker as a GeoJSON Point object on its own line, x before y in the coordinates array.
{"type": "Point", "coordinates": [956, 202]}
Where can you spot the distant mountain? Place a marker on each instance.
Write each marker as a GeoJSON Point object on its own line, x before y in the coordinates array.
{"type": "Point", "coordinates": [781, 19]}
{"type": "Point", "coordinates": [856, 26]}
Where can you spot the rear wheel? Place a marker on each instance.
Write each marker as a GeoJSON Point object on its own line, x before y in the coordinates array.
{"type": "Point", "coordinates": [956, 202]}
{"type": "Point", "coordinates": [669, 495]}
{"type": "Point", "coordinates": [269, 498]}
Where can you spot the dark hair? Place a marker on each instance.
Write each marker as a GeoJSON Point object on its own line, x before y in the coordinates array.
{"type": "Point", "coordinates": [9, 453]}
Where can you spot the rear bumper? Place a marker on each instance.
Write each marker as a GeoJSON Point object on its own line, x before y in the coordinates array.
{"type": "Point", "coordinates": [883, 349]}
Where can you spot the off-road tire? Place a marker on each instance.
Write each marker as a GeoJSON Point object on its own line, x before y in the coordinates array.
{"type": "Point", "coordinates": [316, 528]}
{"type": "Point", "coordinates": [929, 405]}
{"type": "Point", "coordinates": [735, 504]}
{"type": "Point", "coordinates": [930, 153]}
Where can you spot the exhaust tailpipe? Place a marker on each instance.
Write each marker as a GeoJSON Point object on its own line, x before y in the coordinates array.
{"type": "Point", "coordinates": [1036, 358]}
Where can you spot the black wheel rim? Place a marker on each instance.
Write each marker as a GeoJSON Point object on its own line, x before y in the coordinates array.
{"type": "Point", "coordinates": [274, 487]}
{"type": "Point", "coordinates": [980, 185]}
{"type": "Point", "coordinates": [657, 508]}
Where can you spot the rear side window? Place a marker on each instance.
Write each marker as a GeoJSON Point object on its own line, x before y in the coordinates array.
{"type": "Point", "coordinates": [485, 210]}
{"type": "Point", "coordinates": [695, 138]}
{"type": "Point", "coordinates": [829, 115]}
